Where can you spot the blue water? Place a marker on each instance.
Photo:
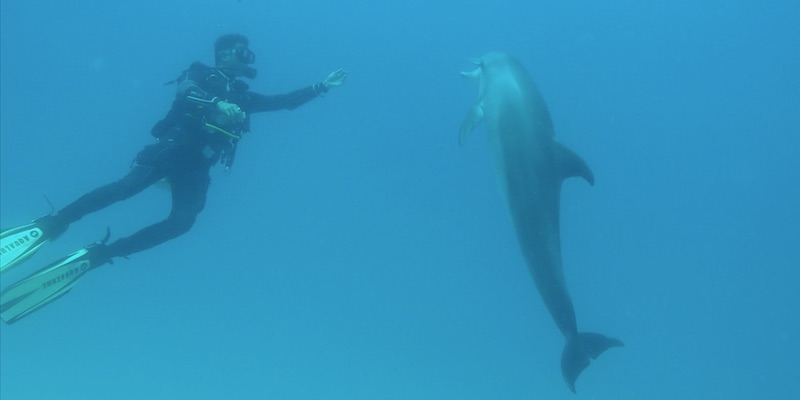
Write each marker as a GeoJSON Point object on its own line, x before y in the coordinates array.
{"type": "Point", "coordinates": [355, 251]}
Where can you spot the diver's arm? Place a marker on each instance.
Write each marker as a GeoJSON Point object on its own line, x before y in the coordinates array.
{"type": "Point", "coordinates": [255, 102]}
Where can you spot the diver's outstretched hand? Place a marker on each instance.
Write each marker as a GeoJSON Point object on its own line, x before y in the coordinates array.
{"type": "Point", "coordinates": [335, 78]}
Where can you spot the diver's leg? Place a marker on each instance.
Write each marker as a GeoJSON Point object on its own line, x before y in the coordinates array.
{"type": "Point", "coordinates": [148, 168]}
{"type": "Point", "coordinates": [139, 178]}
{"type": "Point", "coordinates": [189, 190]}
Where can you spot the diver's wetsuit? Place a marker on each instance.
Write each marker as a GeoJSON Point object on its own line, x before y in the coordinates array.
{"type": "Point", "coordinates": [191, 139]}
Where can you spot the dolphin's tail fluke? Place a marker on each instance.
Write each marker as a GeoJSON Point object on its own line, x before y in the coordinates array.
{"type": "Point", "coordinates": [579, 350]}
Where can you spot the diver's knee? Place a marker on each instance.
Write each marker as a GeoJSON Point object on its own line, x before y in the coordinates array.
{"type": "Point", "coordinates": [181, 223]}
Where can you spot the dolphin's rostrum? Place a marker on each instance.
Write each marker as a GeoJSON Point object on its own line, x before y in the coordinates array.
{"type": "Point", "coordinates": [532, 166]}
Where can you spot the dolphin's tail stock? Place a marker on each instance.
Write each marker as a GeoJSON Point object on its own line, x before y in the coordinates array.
{"type": "Point", "coordinates": [579, 350]}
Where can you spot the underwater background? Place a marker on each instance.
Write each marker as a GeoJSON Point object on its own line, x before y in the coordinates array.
{"type": "Point", "coordinates": [356, 251]}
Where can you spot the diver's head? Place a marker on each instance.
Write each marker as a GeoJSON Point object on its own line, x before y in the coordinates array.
{"type": "Point", "coordinates": [232, 55]}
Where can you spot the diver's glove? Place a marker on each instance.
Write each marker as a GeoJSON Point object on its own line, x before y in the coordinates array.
{"type": "Point", "coordinates": [335, 78]}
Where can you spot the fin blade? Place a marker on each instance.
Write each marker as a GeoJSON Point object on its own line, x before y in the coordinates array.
{"type": "Point", "coordinates": [580, 350]}
{"type": "Point", "coordinates": [19, 244]}
{"type": "Point", "coordinates": [43, 286]}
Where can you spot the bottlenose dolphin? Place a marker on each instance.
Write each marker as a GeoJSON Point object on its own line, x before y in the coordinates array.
{"type": "Point", "coordinates": [531, 167]}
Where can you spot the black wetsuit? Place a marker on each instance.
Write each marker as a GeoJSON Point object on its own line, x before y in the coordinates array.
{"type": "Point", "coordinates": [191, 139]}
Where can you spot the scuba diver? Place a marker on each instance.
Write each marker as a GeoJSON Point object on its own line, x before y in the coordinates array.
{"type": "Point", "coordinates": [209, 115]}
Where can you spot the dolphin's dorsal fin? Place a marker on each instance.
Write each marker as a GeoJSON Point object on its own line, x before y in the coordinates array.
{"type": "Point", "coordinates": [473, 118]}
{"type": "Point", "coordinates": [571, 164]}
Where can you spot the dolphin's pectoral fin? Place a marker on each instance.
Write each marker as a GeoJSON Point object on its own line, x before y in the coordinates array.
{"type": "Point", "coordinates": [473, 118]}
{"type": "Point", "coordinates": [580, 349]}
{"type": "Point", "coordinates": [571, 164]}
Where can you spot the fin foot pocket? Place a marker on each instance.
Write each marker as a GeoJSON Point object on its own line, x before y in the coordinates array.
{"type": "Point", "coordinates": [52, 226]}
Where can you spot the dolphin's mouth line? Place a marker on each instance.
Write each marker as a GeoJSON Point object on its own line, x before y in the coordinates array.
{"type": "Point", "coordinates": [476, 72]}
{"type": "Point", "coordinates": [471, 74]}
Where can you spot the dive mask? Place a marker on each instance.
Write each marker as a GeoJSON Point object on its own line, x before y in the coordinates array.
{"type": "Point", "coordinates": [244, 55]}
